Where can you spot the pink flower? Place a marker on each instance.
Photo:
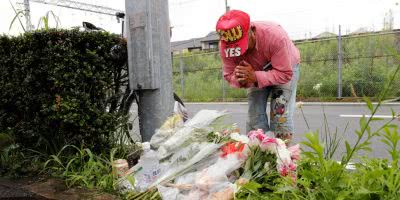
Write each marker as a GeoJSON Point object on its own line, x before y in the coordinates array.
{"type": "Point", "coordinates": [259, 134]}
{"type": "Point", "coordinates": [283, 170]}
{"type": "Point", "coordinates": [272, 144]}
{"type": "Point", "coordinates": [295, 152]}
{"type": "Point", "coordinates": [292, 166]}
{"type": "Point", "coordinates": [256, 136]}
{"type": "Point", "coordinates": [269, 144]}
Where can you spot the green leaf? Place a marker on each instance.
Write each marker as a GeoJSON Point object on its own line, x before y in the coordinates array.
{"type": "Point", "coordinates": [391, 126]}
{"type": "Point", "coordinates": [368, 129]}
{"type": "Point", "coordinates": [363, 123]}
{"type": "Point", "coordinates": [348, 148]}
{"type": "Point", "coordinates": [359, 133]}
{"type": "Point", "coordinates": [252, 186]}
{"type": "Point", "coordinates": [310, 155]}
{"type": "Point", "coordinates": [363, 190]}
{"type": "Point", "coordinates": [376, 119]}
{"type": "Point", "coordinates": [369, 104]}
{"type": "Point", "coordinates": [16, 17]}
{"type": "Point", "coordinates": [365, 146]}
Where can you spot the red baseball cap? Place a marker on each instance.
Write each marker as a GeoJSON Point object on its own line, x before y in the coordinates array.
{"type": "Point", "coordinates": [233, 28]}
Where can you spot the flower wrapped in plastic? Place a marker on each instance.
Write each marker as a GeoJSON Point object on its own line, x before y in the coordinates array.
{"type": "Point", "coordinates": [194, 130]}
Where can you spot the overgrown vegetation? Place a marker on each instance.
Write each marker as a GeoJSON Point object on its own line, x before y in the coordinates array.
{"type": "Point", "coordinates": [62, 87]}
{"type": "Point", "coordinates": [366, 68]}
{"type": "Point", "coordinates": [81, 167]}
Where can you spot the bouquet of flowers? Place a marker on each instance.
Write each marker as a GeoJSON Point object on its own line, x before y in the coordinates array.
{"type": "Point", "coordinates": [204, 159]}
{"type": "Point", "coordinates": [267, 153]}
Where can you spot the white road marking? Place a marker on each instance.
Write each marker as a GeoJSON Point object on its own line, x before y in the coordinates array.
{"type": "Point", "coordinates": [368, 116]}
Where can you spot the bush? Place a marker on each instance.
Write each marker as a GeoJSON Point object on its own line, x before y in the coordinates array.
{"type": "Point", "coordinates": [62, 87]}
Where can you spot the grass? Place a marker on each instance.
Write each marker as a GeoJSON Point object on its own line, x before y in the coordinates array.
{"type": "Point", "coordinates": [80, 167]}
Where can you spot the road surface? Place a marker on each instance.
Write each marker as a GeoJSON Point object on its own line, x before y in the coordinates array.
{"type": "Point", "coordinates": [338, 116]}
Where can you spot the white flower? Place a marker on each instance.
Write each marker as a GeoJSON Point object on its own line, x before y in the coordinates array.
{"type": "Point", "coordinates": [280, 143]}
{"type": "Point", "coordinates": [239, 138]}
{"type": "Point", "coordinates": [266, 166]}
{"type": "Point", "coordinates": [299, 104]}
{"type": "Point", "coordinates": [269, 145]}
{"type": "Point", "coordinates": [283, 161]}
{"type": "Point", "coordinates": [218, 134]}
{"type": "Point", "coordinates": [317, 86]}
{"type": "Point", "coordinates": [283, 156]}
{"type": "Point", "coordinates": [254, 142]}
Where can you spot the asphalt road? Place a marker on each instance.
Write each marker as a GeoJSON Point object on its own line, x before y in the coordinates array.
{"type": "Point", "coordinates": [338, 116]}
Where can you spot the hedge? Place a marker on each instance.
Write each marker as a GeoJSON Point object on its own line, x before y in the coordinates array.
{"type": "Point", "coordinates": [61, 87]}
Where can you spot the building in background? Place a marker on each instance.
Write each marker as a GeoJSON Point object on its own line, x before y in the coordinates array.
{"type": "Point", "coordinates": [207, 43]}
{"type": "Point", "coordinates": [210, 42]}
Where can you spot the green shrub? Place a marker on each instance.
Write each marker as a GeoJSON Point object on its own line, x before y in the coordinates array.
{"type": "Point", "coordinates": [62, 87]}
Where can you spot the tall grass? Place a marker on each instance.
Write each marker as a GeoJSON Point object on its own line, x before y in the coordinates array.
{"type": "Point", "coordinates": [80, 167]}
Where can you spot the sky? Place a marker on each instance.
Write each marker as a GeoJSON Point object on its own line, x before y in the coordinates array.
{"type": "Point", "coordinates": [196, 18]}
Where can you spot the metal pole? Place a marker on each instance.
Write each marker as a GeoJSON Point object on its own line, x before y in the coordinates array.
{"type": "Point", "coordinates": [223, 85]}
{"type": "Point", "coordinates": [339, 89]}
{"type": "Point", "coordinates": [182, 76]}
{"type": "Point", "coordinates": [149, 58]}
{"type": "Point", "coordinates": [222, 74]}
{"type": "Point", "coordinates": [226, 6]}
{"type": "Point", "coordinates": [122, 28]}
{"type": "Point", "coordinates": [27, 13]}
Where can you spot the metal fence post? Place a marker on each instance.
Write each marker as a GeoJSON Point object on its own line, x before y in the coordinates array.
{"type": "Point", "coordinates": [339, 87]}
{"type": "Point", "coordinates": [182, 76]}
{"type": "Point", "coordinates": [223, 84]}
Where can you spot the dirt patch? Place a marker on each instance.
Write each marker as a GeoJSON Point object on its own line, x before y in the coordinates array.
{"type": "Point", "coordinates": [47, 189]}
{"type": "Point", "coordinates": [18, 194]}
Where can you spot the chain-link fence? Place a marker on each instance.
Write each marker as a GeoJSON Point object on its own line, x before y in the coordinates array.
{"type": "Point", "coordinates": [361, 67]}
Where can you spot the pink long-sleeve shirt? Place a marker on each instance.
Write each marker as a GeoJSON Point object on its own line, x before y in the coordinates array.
{"type": "Point", "coordinates": [272, 45]}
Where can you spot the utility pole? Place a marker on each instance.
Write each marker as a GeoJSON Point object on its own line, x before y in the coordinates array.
{"type": "Point", "coordinates": [149, 59]}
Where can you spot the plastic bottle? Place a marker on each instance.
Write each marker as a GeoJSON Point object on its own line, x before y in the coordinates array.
{"type": "Point", "coordinates": [151, 168]}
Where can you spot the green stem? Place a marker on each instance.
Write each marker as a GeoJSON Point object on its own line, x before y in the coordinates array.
{"type": "Point", "coordinates": [304, 117]}
{"type": "Point", "coordinates": [372, 115]}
